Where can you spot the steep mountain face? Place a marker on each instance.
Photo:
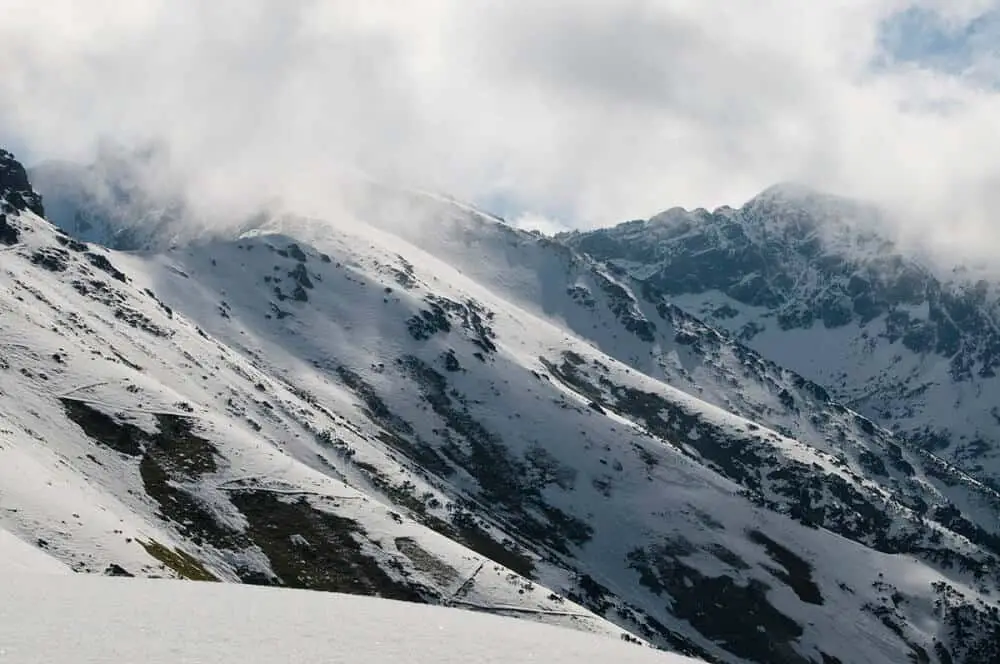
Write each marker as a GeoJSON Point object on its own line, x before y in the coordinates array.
{"type": "Point", "coordinates": [16, 196]}
{"type": "Point", "coordinates": [472, 416]}
{"type": "Point", "coordinates": [133, 443]}
{"type": "Point", "coordinates": [808, 281]}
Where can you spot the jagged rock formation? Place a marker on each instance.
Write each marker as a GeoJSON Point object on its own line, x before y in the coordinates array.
{"type": "Point", "coordinates": [810, 282]}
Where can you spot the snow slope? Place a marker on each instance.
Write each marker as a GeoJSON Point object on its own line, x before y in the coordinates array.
{"type": "Point", "coordinates": [20, 557]}
{"type": "Point", "coordinates": [58, 619]}
{"type": "Point", "coordinates": [129, 449]}
{"type": "Point", "coordinates": [467, 415]}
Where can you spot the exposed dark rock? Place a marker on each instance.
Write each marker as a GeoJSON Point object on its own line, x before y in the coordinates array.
{"type": "Point", "coordinates": [121, 437]}
{"type": "Point", "coordinates": [295, 251]}
{"type": "Point", "coordinates": [309, 548]}
{"type": "Point", "coordinates": [52, 259]}
{"type": "Point", "coordinates": [8, 234]}
{"type": "Point", "coordinates": [15, 190]}
{"type": "Point", "coordinates": [797, 573]}
{"type": "Point", "coordinates": [102, 263]}
{"type": "Point", "coordinates": [114, 569]}
{"type": "Point", "coordinates": [739, 617]}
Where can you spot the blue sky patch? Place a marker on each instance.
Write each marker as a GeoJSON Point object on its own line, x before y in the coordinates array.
{"type": "Point", "coordinates": [924, 38]}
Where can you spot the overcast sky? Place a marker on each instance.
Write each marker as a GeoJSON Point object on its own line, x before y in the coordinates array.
{"type": "Point", "coordinates": [587, 112]}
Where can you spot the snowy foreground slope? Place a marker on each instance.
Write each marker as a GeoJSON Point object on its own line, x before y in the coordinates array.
{"type": "Point", "coordinates": [462, 414]}
{"type": "Point", "coordinates": [47, 618]}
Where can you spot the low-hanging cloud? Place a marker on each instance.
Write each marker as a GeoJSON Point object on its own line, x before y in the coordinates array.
{"type": "Point", "coordinates": [583, 112]}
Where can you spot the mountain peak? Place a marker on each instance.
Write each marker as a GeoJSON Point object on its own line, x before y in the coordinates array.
{"type": "Point", "coordinates": [793, 200]}
{"type": "Point", "coordinates": [15, 190]}
{"type": "Point", "coordinates": [787, 191]}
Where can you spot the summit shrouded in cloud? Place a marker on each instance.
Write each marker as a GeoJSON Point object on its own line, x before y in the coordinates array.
{"type": "Point", "coordinates": [586, 113]}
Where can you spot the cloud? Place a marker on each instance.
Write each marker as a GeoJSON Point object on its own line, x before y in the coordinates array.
{"type": "Point", "coordinates": [582, 112]}
{"type": "Point", "coordinates": [531, 221]}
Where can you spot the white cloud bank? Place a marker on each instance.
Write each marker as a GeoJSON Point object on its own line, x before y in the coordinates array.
{"type": "Point", "coordinates": [590, 112]}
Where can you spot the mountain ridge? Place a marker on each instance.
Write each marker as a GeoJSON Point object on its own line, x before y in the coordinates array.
{"type": "Point", "coordinates": [478, 417]}
{"type": "Point", "coordinates": [904, 340]}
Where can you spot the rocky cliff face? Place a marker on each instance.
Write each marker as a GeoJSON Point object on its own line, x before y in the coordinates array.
{"type": "Point", "coordinates": [16, 195]}
{"type": "Point", "coordinates": [807, 280]}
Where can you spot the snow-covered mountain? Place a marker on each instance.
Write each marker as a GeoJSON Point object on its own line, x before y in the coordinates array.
{"type": "Point", "coordinates": [812, 282]}
{"type": "Point", "coordinates": [416, 401]}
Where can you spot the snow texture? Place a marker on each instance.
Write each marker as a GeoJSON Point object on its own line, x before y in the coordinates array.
{"type": "Point", "coordinates": [46, 619]}
{"type": "Point", "coordinates": [415, 401]}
